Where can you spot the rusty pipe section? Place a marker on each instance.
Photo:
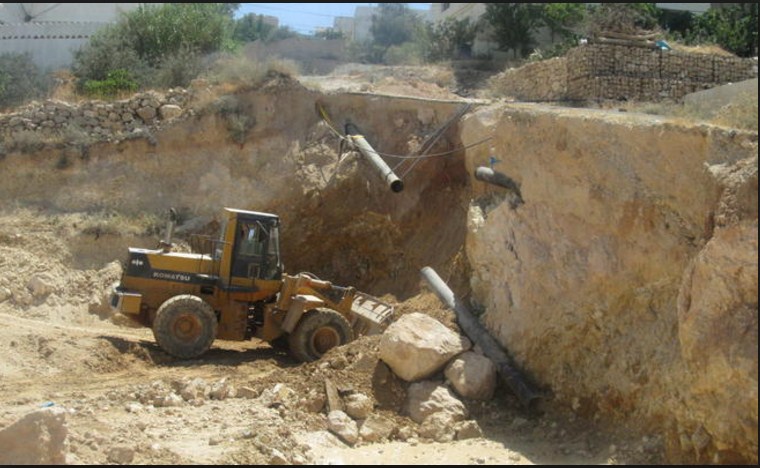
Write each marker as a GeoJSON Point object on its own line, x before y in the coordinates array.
{"type": "Point", "coordinates": [478, 334]}
{"type": "Point", "coordinates": [358, 140]}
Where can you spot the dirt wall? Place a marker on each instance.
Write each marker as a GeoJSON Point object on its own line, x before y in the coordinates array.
{"type": "Point", "coordinates": [590, 283]}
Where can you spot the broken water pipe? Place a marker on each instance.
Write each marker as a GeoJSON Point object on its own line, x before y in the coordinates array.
{"type": "Point", "coordinates": [470, 325]}
{"type": "Point", "coordinates": [357, 139]}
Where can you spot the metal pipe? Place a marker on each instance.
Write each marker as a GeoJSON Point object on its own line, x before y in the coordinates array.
{"type": "Point", "coordinates": [395, 184]}
{"type": "Point", "coordinates": [486, 174]}
{"type": "Point", "coordinates": [475, 331]}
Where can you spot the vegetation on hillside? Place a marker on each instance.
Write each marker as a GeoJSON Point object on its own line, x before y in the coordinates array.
{"type": "Point", "coordinates": [167, 45]}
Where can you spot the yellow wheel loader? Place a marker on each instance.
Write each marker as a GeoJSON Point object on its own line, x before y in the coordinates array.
{"type": "Point", "coordinates": [235, 289]}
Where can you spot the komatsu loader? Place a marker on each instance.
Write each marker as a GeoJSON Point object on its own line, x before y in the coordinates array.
{"type": "Point", "coordinates": [234, 288]}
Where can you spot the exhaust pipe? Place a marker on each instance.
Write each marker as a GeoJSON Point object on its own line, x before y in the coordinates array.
{"type": "Point", "coordinates": [477, 333]}
{"type": "Point", "coordinates": [396, 185]}
{"type": "Point", "coordinates": [166, 244]}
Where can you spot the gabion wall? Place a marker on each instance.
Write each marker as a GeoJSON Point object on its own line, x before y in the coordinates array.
{"type": "Point", "coordinates": [621, 72]}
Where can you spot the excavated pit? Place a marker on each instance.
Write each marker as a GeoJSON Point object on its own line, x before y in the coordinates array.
{"type": "Point", "coordinates": [585, 275]}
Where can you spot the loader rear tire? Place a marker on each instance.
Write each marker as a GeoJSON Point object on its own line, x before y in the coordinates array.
{"type": "Point", "coordinates": [319, 331]}
{"type": "Point", "coordinates": [185, 326]}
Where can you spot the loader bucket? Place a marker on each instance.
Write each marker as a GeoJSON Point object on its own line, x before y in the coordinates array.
{"type": "Point", "coordinates": [369, 315]}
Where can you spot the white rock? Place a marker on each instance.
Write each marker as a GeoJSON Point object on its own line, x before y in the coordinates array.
{"type": "Point", "coordinates": [473, 376]}
{"type": "Point", "coordinates": [417, 346]}
{"type": "Point", "coordinates": [426, 398]}
{"type": "Point", "coordinates": [358, 405]}
{"type": "Point", "coordinates": [340, 424]}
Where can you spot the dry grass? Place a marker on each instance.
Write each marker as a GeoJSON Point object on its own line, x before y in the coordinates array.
{"type": "Point", "coordinates": [740, 114]}
{"type": "Point", "coordinates": [239, 71]}
{"type": "Point", "coordinates": [701, 49]}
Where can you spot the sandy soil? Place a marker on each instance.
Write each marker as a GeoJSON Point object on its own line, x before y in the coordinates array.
{"type": "Point", "coordinates": [128, 402]}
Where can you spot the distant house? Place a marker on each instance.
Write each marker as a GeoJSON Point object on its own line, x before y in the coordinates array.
{"type": "Point", "coordinates": [51, 32]}
{"type": "Point", "coordinates": [359, 27]}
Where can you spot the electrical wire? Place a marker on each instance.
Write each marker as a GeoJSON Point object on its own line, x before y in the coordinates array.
{"type": "Point", "coordinates": [343, 138]}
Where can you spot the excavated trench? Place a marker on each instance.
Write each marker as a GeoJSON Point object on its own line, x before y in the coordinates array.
{"type": "Point", "coordinates": [623, 237]}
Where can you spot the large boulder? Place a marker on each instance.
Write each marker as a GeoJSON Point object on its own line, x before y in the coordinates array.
{"type": "Point", "coordinates": [417, 346]}
{"type": "Point", "coordinates": [472, 375]}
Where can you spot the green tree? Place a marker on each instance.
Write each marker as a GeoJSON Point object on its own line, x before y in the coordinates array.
{"type": "Point", "coordinates": [157, 31]}
{"type": "Point", "coordinates": [20, 80]}
{"type": "Point", "coordinates": [448, 39]}
{"type": "Point", "coordinates": [733, 28]}
{"type": "Point", "coordinates": [393, 25]}
{"type": "Point", "coordinates": [513, 25]}
{"type": "Point", "coordinates": [627, 18]}
{"type": "Point", "coordinates": [562, 19]}
{"type": "Point", "coordinates": [252, 27]}
{"type": "Point", "coordinates": [157, 41]}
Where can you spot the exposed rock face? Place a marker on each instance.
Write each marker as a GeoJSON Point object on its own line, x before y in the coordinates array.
{"type": "Point", "coordinates": [581, 284]}
{"type": "Point", "coordinates": [717, 326]}
{"type": "Point", "coordinates": [417, 346]}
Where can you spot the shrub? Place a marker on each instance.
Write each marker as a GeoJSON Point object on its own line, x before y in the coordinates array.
{"type": "Point", "coordinates": [21, 80]}
{"type": "Point", "coordinates": [179, 69]}
{"type": "Point", "coordinates": [116, 83]}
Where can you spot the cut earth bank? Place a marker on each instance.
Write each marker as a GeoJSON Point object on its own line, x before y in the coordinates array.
{"type": "Point", "coordinates": [621, 274]}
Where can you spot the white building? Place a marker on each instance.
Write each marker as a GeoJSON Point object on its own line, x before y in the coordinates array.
{"type": "Point", "coordinates": [359, 27]}
{"type": "Point", "coordinates": [51, 32]}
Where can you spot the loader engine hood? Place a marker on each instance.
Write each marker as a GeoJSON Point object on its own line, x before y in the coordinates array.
{"type": "Point", "coordinates": [188, 268]}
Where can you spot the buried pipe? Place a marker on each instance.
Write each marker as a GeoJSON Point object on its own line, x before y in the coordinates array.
{"type": "Point", "coordinates": [395, 184]}
{"type": "Point", "coordinates": [477, 333]}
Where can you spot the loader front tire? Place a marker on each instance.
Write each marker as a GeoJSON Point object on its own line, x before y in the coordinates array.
{"type": "Point", "coordinates": [185, 326]}
{"type": "Point", "coordinates": [319, 331]}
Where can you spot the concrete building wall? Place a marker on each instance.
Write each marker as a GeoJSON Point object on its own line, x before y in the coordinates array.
{"type": "Point", "coordinates": [51, 32]}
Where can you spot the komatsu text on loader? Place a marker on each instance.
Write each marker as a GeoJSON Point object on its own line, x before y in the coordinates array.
{"type": "Point", "coordinates": [237, 290]}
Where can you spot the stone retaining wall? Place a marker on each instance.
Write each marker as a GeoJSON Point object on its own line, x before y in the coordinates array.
{"type": "Point", "coordinates": [622, 72]}
{"type": "Point", "coordinates": [90, 121]}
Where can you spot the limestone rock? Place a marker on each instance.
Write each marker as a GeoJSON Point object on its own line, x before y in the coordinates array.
{"type": "Point", "coordinates": [718, 336]}
{"type": "Point", "coordinates": [169, 111]}
{"type": "Point", "coordinates": [472, 375]}
{"type": "Point", "coordinates": [41, 285]}
{"type": "Point", "coordinates": [417, 346]}
{"type": "Point", "coordinates": [439, 427]}
{"type": "Point", "coordinates": [358, 405]}
{"type": "Point", "coordinates": [426, 398]}
{"type": "Point", "coordinates": [468, 430]}
{"type": "Point", "coordinates": [376, 428]}
{"type": "Point", "coordinates": [340, 424]}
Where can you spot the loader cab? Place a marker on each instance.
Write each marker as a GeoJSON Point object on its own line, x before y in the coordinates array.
{"type": "Point", "coordinates": [249, 248]}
